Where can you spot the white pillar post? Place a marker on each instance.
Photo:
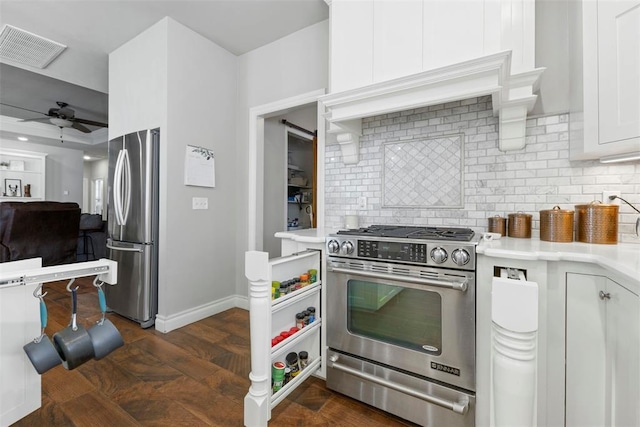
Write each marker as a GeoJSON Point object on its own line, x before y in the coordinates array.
{"type": "Point", "coordinates": [257, 403]}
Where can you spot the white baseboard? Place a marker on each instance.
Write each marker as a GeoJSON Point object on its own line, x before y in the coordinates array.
{"type": "Point", "coordinates": [166, 324]}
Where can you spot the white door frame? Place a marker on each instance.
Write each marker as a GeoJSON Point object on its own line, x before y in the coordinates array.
{"type": "Point", "coordinates": [256, 160]}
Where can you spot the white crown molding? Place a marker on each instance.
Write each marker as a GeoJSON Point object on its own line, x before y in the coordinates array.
{"type": "Point", "coordinates": [512, 97]}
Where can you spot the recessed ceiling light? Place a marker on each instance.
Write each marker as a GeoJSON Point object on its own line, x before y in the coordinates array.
{"type": "Point", "coordinates": [87, 158]}
{"type": "Point", "coordinates": [23, 138]}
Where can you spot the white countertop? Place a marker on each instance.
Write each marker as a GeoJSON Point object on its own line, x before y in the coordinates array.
{"type": "Point", "coordinates": [623, 258]}
{"type": "Point", "coordinates": [308, 235]}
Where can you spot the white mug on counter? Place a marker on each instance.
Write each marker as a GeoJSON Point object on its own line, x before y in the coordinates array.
{"type": "Point", "coordinates": [351, 222]}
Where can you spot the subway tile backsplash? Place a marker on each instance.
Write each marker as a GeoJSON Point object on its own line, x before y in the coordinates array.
{"type": "Point", "coordinates": [540, 176]}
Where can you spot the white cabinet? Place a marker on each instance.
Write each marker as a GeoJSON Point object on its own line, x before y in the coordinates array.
{"type": "Point", "coordinates": [19, 324]}
{"type": "Point", "coordinates": [397, 39]}
{"type": "Point", "coordinates": [378, 40]}
{"type": "Point", "coordinates": [269, 318]}
{"type": "Point", "coordinates": [605, 82]}
{"type": "Point", "coordinates": [602, 352]}
{"type": "Point", "coordinates": [19, 169]}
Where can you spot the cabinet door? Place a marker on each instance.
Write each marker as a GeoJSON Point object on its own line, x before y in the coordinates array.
{"type": "Point", "coordinates": [351, 44]}
{"type": "Point", "coordinates": [602, 353]}
{"type": "Point", "coordinates": [585, 351]}
{"type": "Point", "coordinates": [619, 71]}
{"type": "Point", "coordinates": [623, 356]}
{"type": "Point", "coordinates": [397, 38]}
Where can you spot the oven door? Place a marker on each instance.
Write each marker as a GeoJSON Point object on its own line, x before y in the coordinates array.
{"type": "Point", "coordinates": [416, 319]}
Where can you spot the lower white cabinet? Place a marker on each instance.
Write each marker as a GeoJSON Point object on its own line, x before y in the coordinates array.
{"type": "Point", "coordinates": [19, 324]}
{"type": "Point", "coordinates": [270, 318]}
{"type": "Point", "coordinates": [602, 352]}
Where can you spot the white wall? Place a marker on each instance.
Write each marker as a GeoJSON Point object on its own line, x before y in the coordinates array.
{"type": "Point", "coordinates": [293, 65]}
{"type": "Point", "coordinates": [173, 78]}
{"type": "Point", "coordinates": [64, 170]}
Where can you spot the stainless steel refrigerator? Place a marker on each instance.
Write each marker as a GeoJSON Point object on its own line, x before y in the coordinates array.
{"type": "Point", "coordinates": [133, 225]}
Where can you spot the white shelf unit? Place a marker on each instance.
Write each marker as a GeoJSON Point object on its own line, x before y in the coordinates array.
{"type": "Point", "coordinates": [268, 318]}
{"type": "Point", "coordinates": [26, 166]}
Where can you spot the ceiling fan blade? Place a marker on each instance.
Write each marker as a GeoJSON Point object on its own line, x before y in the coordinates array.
{"type": "Point", "coordinates": [43, 120]}
{"type": "Point", "coordinates": [90, 123]}
{"type": "Point", "coordinates": [81, 128]}
{"type": "Point", "coordinates": [24, 109]}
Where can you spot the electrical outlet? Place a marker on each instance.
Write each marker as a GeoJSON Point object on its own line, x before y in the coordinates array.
{"type": "Point", "coordinates": [605, 197]}
{"type": "Point", "coordinates": [362, 203]}
{"type": "Point", "coordinates": [200, 203]}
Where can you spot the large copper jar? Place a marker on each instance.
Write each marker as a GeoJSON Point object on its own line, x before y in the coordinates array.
{"type": "Point", "coordinates": [597, 223]}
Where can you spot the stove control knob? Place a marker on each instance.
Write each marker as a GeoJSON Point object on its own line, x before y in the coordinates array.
{"type": "Point", "coordinates": [347, 248]}
{"type": "Point", "coordinates": [438, 255]}
{"type": "Point", "coordinates": [333, 246]}
{"type": "Point", "coordinates": [460, 256]}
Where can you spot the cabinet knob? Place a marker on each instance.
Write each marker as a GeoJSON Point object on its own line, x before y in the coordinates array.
{"type": "Point", "coordinates": [604, 295]}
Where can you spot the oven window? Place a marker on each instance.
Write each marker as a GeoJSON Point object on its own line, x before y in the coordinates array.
{"type": "Point", "coordinates": [405, 317]}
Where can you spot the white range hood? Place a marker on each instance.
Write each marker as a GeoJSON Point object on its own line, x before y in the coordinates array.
{"type": "Point", "coordinates": [512, 97]}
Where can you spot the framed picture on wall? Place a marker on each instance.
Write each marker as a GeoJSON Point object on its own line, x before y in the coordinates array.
{"type": "Point", "coordinates": [12, 187]}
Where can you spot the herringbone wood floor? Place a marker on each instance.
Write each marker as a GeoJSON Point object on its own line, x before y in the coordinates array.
{"type": "Point", "coordinates": [197, 375]}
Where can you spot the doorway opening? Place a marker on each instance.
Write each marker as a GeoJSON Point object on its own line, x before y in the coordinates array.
{"type": "Point", "coordinates": [269, 172]}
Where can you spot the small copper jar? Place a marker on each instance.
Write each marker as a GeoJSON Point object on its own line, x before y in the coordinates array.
{"type": "Point", "coordinates": [498, 224]}
{"type": "Point", "coordinates": [519, 225]}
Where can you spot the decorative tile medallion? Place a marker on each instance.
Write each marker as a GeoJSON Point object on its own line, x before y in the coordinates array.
{"type": "Point", "coordinates": [424, 173]}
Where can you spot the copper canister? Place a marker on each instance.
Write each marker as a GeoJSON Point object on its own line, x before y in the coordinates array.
{"type": "Point", "coordinates": [519, 225]}
{"type": "Point", "coordinates": [498, 224]}
{"type": "Point", "coordinates": [597, 223]}
{"type": "Point", "coordinates": [556, 225]}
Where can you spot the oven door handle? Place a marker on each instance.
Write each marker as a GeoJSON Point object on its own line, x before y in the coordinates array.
{"type": "Point", "coordinates": [458, 286]}
{"type": "Point", "coordinates": [461, 407]}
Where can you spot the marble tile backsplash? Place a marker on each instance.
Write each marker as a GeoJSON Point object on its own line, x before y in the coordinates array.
{"type": "Point", "coordinates": [537, 177]}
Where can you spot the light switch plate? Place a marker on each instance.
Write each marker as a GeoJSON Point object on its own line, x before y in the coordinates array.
{"type": "Point", "coordinates": [200, 203]}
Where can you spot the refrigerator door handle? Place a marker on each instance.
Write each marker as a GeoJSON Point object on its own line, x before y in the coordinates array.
{"type": "Point", "coordinates": [117, 189]}
{"type": "Point", "coordinates": [122, 181]}
{"type": "Point", "coordinates": [127, 183]}
{"type": "Point", "coordinates": [118, 248]}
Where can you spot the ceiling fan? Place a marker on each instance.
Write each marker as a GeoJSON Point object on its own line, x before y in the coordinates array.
{"type": "Point", "coordinates": [64, 117]}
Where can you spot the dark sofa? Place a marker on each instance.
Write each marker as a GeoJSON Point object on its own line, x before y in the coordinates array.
{"type": "Point", "coordinates": [47, 230]}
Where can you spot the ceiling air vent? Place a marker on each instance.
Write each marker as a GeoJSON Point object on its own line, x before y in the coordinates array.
{"type": "Point", "coordinates": [27, 48]}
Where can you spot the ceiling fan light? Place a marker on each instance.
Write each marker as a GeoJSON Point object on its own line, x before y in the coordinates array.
{"type": "Point", "coordinates": [61, 122]}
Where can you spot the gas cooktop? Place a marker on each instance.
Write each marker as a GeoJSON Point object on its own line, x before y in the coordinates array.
{"type": "Point", "coordinates": [413, 232]}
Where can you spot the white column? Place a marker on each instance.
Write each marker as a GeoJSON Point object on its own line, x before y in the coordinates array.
{"type": "Point", "coordinates": [257, 403]}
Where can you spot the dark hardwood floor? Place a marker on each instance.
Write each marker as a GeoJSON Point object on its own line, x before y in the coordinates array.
{"type": "Point", "coordinates": [197, 375]}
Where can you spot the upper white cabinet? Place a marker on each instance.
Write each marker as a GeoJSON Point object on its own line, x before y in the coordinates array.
{"type": "Point", "coordinates": [394, 55]}
{"type": "Point", "coordinates": [605, 78]}
{"type": "Point", "coordinates": [377, 40]}
{"type": "Point", "coordinates": [22, 175]}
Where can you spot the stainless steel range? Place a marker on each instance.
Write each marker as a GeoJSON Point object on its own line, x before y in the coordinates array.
{"type": "Point", "coordinates": [401, 320]}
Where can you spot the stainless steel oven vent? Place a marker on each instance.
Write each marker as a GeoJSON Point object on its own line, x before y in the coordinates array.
{"type": "Point", "coordinates": [27, 48]}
